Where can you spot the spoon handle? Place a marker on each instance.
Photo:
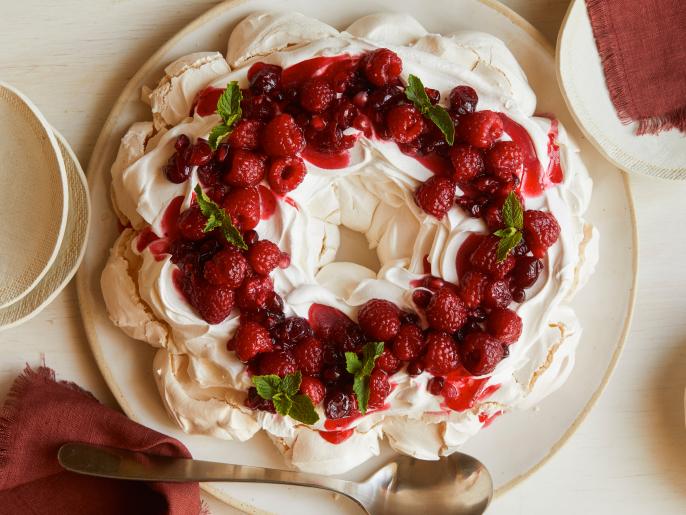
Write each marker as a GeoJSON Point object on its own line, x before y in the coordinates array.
{"type": "Point", "coordinates": [124, 464]}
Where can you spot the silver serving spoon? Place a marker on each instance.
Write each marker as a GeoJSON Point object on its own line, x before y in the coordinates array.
{"type": "Point", "coordinates": [458, 484]}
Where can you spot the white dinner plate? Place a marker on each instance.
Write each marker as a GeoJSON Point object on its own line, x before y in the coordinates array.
{"type": "Point", "coordinates": [71, 250]}
{"type": "Point", "coordinates": [517, 443]}
{"type": "Point", "coordinates": [33, 196]}
{"type": "Point", "coordinates": [582, 81]}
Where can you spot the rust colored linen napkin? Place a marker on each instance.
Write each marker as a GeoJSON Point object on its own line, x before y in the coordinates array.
{"type": "Point", "coordinates": [641, 46]}
{"type": "Point", "coordinates": [39, 415]}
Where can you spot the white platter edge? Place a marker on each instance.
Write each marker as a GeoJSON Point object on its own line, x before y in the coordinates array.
{"type": "Point", "coordinates": [101, 150]}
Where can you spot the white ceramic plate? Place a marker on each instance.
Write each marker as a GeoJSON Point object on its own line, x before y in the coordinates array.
{"type": "Point", "coordinates": [71, 250]}
{"type": "Point", "coordinates": [582, 80]}
{"type": "Point", "coordinates": [516, 444]}
{"type": "Point", "coordinates": [33, 196]}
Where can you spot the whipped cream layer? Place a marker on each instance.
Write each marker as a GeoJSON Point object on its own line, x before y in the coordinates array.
{"type": "Point", "coordinates": [202, 384]}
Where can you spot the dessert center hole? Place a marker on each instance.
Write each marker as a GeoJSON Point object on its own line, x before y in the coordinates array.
{"type": "Point", "coordinates": [354, 248]}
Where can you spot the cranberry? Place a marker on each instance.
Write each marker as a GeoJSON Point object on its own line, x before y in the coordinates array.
{"type": "Point", "coordinates": [433, 94]}
{"type": "Point", "coordinates": [264, 78]}
{"type": "Point", "coordinates": [526, 271]}
{"type": "Point", "coordinates": [177, 170]}
{"type": "Point", "coordinates": [191, 224]}
{"type": "Point", "coordinates": [416, 367]}
{"type": "Point", "coordinates": [291, 331]}
{"type": "Point", "coordinates": [463, 100]}
{"type": "Point", "coordinates": [258, 107]}
{"type": "Point", "coordinates": [347, 336]}
{"type": "Point", "coordinates": [435, 385]}
{"type": "Point", "coordinates": [338, 404]}
{"type": "Point", "coordinates": [182, 142]}
{"type": "Point", "coordinates": [201, 153]}
{"type": "Point", "coordinates": [255, 402]}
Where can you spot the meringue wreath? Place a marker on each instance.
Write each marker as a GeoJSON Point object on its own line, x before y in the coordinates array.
{"type": "Point", "coordinates": [232, 200]}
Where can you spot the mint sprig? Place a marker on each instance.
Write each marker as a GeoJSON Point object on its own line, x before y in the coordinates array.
{"type": "Point", "coordinates": [284, 394]}
{"type": "Point", "coordinates": [229, 108]}
{"type": "Point", "coordinates": [218, 218]}
{"type": "Point", "coordinates": [361, 370]}
{"type": "Point", "coordinates": [513, 218]}
{"type": "Point", "coordinates": [415, 93]}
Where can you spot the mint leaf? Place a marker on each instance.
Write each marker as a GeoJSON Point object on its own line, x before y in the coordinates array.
{"type": "Point", "coordinates": [229, 108]}
{"type": "Point", "coordinates": [217, 134]}
{"type": "Point", "coordinates": [370, 354]}
{"type": "Point", "coordinates": [352, 362]}
{"type": "Point", "coordinates": [303, 410]}
{"type": "Point", "coordinates": [291, 383]}
{"type": "Point", "coordinates": [282, 403]}
{"type": "Point", "coordinates": [267, 386]}
{"type": "Point", "coordinates": [415, 93]}
{"type": "Point", "coordinates": [506, 244]}
{"type": "Point", "coordinates": [229, 104]}
{"type": "Point", "coordinates": [439, 115]}
{"type": "Point", "coordinates": [513, 214]}
{"type": "Point", "coordinates": [505, 233]}
{"type": "Point", "coordinates": [361, 389]}
{"type": "Point", "coordinates": [217, 218]}
{"type": "Point", "coordinates": [361, 370]}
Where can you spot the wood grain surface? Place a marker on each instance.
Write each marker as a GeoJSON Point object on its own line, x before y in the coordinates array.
{"type": "Point", "coordinates": [73, 57]}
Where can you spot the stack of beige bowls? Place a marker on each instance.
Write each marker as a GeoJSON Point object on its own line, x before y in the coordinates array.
{"type": "Point", "coordinates": [44, 210]}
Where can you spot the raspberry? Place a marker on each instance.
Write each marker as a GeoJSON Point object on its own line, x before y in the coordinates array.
{"type": "Point", "coordinates": [264, 256]}
{"type": "Point", "coordinates": [408, 343]}
{"type": "Point", "coordinates": [404, 123]}
{"type": "Point", "coordinates": [255, 402]}
{"type": "Point", "coordinates": [313, 388]}
{"type": "Point", "coordinates": [505, 160]}
{"type": "Point", "coordinates": [463, 100]}
{"type": "Point", "coordinates": [441, 353]}
{"type": "Point", "coordinates": [245, 135]}
{"type": "Point", "coordinates": [472, 286]}
{"type": "Point", "coordinates": [480, 129]}
{"type": "Point", "coordinates": [243, 206]}
{"type": "Point", "coordinates": [201, 153]}
{"type": "Point", "coordinates": [250, 340]}
{"type": "Point", "coordinates": [258, 107]}
{"type": "Point", "coordinates": [264, 78]}
{"type": "Point", "coordinates": [493, 216]}
{"type": "Point", "coordinates": [228, 268]}
{"type": "Point", "coordinates": [339, 404]}
{"type": "Point", "coordinates": [254, 292]}
{"type": "Point", "coordinates": [504, 324]}
{"type": "Point", "coordinates": [480, 353]}
{"type": "Point", "coordinates": [309, 355]}
{"type": "Point", "coordinates": [382, 66]}
{"type": "Point", "coordinates": [282, 137]}
{"type": "Point", "coordinates": [467, 161]}
{"type": "Point", "coordinates": [388, 362]}
{"type": "Point", "coordinates": [247, 169]}
{"type": "Point", "coordinates": [485, 258]}
{"type": "Point", "coordinates": [286, 174]}
{"type": "Point", "coordinates": [291, 331]}
{"type": "Point", "coordinates": [316, 95]}
{"type": "Point", "coordinates": [214, 302]}
{"type": "Point", "coordinates": [347, 336]}
{"type": "Point", "coordinates": [280, 363]}
{"type": "Point", "coordinates": [446, 311]}
{"type": "Point", "coordinates": [379, 319]}
{"type": "Point", "coordinates": [191, 223]}
{"type": "Point", "coordinates": [436, 196]}
{"type": "Point", "coordinates": [526, 271]}
{"type": "Point", "coordinates": [541, 230]}
{"type": "Point", "coordinates": [497, 295]}
{"type": "Point", "coordinates": [379, 388]}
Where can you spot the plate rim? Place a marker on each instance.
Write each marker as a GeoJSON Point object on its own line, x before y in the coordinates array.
{"type": "Point", "coordinates": [82, 280]}
{"type": "Point", "coordinates": [646, 169]}
{"type": "Point", "coordinates": [47, 129]}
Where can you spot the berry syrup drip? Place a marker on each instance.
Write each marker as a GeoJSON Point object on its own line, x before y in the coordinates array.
{"type": "Point", "coordinates": [267, 202]}
{"type": "Point", "coordinates": [462, 391]}
{"type": "Point", "coordinates": [159, 246]}
{"type": "Point", "coordinates": [206, 102]}
{"type": "Point", "coordinates": [336, 437]}
{"type": "Point", "coordinates": [327, 68]}
{"type": "Point", "coordinates": [340, 423]}
{"type": "Point", "coordinates": [487, 420]}
{"type": "Point", "coordinates": [534, 180]}
{"type": "Point", "coordinates": [326, 161]}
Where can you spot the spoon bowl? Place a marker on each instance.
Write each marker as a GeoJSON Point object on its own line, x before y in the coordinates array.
{"type": "Point", "coordinates": [457, 484]}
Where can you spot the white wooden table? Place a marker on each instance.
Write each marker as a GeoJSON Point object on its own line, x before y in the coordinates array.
{"type": "Point", "coordinates": [73, 57]}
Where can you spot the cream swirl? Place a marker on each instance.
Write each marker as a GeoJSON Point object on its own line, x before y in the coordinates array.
{"type": "Point", "coordinates": [203, 385]}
